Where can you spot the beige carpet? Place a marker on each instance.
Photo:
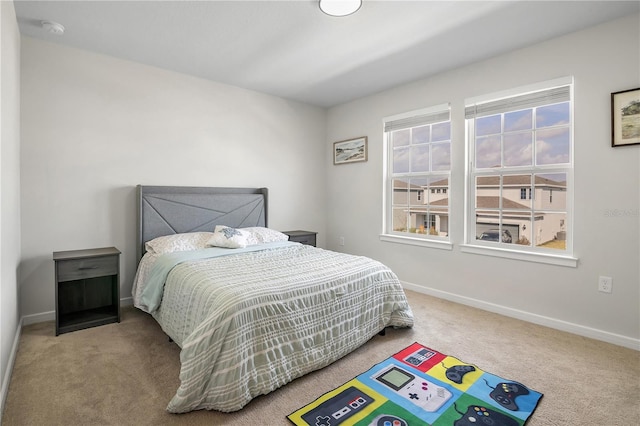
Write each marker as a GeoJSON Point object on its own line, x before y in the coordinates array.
{"type": "Point", "coordinates": [125, 374]}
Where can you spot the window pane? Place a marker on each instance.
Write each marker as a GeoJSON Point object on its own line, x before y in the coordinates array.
{"type": "Point", "coordinates": [488, 125]}
{"type": "Point", "coordinates": [438, 195]}
{"type": "Point", "coordinates": [551, 191]}
{"type": "Point", "coordinates": [487, 226]}
{"type": "Point", "coordinates": [418, 189]}
{"type": "Point", "coordinates": [553, 115]}
{"type": "Point", "coordinates": [488, 152]}
{"type": "Point", "coordinates": [524, 232]}
{"type": "Point", "coordinates": [420, 158]}
{"type": "Point", "coordinates": [400, 195]}
{"type": "Point", "coordinates": [516, 192]}
{"type": "Point", "coordinates": [420, 134]}
{"type": "Point", "coordinates": [400, 137]}
{"type": "Point", "coordinates": [441, 156]}
{"type": "Point", "coordinates": [518, 149]}
{"type": "Point", "coordinates": [401, 160]}
{"type": "Point", "coordinates": [518, 120]}
{"type": "Point", "coordinates": [439, 222]}
{"type": "Point", "coordinates": [552, 146]}
{"type": "Point", "coordinates": [441, 132]}
{"type": "Point", "coordinates": [509, 228]}
{"type": "Point", "coordinates": [550, 230]}
{"type": "Point", "coordinates": [418, 221]}
{"type": "Point", "coordinates": [488, 192]}
{"type": "Point", "coordinates": [400, 220]}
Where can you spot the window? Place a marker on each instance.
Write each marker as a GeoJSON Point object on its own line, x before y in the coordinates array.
{"type": "Point", "coordinates": [418, 153]}
{"type": "Point", "coordinates": [523, 193]}
{"type": "Point", "coordinates": [520, 169]}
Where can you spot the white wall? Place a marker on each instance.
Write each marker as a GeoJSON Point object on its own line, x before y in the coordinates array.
{"type": "Point", "coordinates": [9, 190]}
{"type": "Point", "coordinates": [603, 59]}
{"type": "Point", "coordinates": [94, 126]}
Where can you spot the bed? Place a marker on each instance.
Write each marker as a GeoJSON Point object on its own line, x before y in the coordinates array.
{"type": "Point", "coordinates": [250, 310]}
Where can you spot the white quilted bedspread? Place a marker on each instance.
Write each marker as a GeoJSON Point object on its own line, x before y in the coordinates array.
{"type": "Point", "coordinates": [251, 322]}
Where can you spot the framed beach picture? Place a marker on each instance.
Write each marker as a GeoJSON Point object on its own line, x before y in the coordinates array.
{"type": "Point", "coordinates": [350, 151]}
{"type": "Point", "coordinates": [625, 118]}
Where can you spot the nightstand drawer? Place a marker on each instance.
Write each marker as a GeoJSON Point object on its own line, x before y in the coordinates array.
{"type": "Point", "coordinates": [77, 269]}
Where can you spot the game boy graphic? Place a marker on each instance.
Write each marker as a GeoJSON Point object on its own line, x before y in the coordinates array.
{"type": "Point", "coordinates": [418, 391]}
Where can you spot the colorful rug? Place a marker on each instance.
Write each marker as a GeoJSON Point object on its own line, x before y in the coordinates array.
{"type": "Point", "coordinates": [421, 386]}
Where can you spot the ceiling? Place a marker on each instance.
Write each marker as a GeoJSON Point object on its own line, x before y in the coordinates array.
{"type": "Point", "coordinates": [292, 50]}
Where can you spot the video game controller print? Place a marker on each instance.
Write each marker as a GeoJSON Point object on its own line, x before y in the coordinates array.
{"type": "Point", "coordinates": [457, 372]}
{"type": "Point", "coordinates": [506, 393]}
{"type": "Point", "coordinates": [477, 415]}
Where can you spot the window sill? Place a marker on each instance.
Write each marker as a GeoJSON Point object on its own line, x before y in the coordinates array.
{"type": "Point", "coordinates": [422, 242]}
{"type": "Point", "coordinates": [550, 259]}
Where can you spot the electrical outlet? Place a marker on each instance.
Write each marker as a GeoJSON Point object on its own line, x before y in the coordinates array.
{"type": "Point", "coordinates": [605, 284]}
{"type": "Point", "coordinates": [341, 241]}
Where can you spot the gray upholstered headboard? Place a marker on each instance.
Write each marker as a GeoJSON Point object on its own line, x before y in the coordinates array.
{"type": "Point", "coordinates": [166, 210]}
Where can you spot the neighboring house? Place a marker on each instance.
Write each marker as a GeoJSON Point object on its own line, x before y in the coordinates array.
{"type": "Point", "coordinates": [544, 207]}
{"type": "Point", "coordinates": [421, 209]}
{"type": "Point", "coordinates": [542, 204]}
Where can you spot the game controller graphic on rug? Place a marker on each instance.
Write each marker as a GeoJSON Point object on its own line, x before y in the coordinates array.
{"type": "Point", "coordinates": [505, 394]}
{"type": "Point", "coordinates": [336, 410]}
{"type": "Point", "coordinates": [456, 373]}
{"type": "Point", "coordinates": [478, 415]}
{"type": "Point", "coordinates": [418, 357]}
{"type": "Point", "coordinates": [388, 420]}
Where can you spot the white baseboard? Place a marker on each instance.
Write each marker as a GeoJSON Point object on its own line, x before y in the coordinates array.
{"type": "Point", "coordinates": [9, 370]}
{"type": "Point", "coordinates": [36, 318]}
{"type": "Point", "coordinates": [616, 339]}
{"type": "Point", "coordinates": [51, 315]}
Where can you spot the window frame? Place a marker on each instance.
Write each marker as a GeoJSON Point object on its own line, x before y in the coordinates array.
{"type": "Point", "coordinates": [387, 234]}
{"type": "Point", "coordinates": [507, 250]}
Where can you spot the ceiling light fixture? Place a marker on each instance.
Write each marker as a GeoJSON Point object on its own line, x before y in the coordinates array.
{"type": "Point", "coordinates": [53, 27]}
{"type": "Point", "coordinates": [339, 7]}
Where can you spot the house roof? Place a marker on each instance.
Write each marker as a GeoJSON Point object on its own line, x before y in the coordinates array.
{"type": "Point", "coordinates": [482, 202]}
{"type": "Point", "coordinates": [401, 184]}
{"type": "Point", "coordinates": [493, 202]}
{"type": "Point", "coordinates": [519, 180]}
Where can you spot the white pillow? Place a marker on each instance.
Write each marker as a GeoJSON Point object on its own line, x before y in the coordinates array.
{"type": "Point", "coordinates": [178, 242]}
{"type": "Point", "coordinates": [263, 235]}
{"type": "Point", "coordinates": [225, 236]}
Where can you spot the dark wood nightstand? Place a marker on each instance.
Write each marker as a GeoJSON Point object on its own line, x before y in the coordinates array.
{"type": "Point", "coordinates": [87, 288]}
{"type": "Point", "coordinates": [304, 237]}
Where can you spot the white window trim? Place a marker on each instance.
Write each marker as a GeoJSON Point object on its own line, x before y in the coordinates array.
{"type": "Point", "coordinates": [415, 241]}
{"type": "Point", "coordinates": [471, 245]}
{"type": "Point", "coordinates": [551, 259]}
